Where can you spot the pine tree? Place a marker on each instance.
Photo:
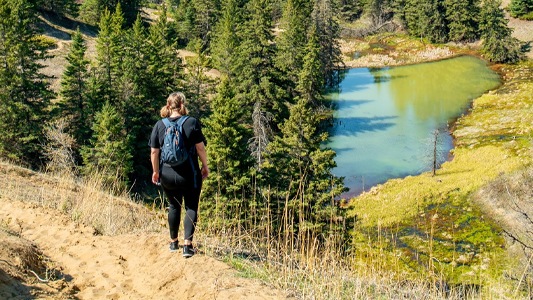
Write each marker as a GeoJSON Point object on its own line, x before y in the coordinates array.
{"type": "Point", "coordinates": [292, 39]}
{"type": "Point", "coordinates": [165, 67]}
{"type": "Point", "coordinates": [91, 11]}
{"type": "Point", "coordinates": [462, 20]}
{"type": "Point", "coordinates": [108, 154]}
{"type": "Point", "coordinates": [519, 8]}
{"type": "Point", "coordinates": [425, 19]}
{"type": "Point", "coordinates": [230, 162]}
{"type": "Point", "coordinates": [109, 56]}
{"type": "Point", "coordinates": [61, 7]}
{"type": "Point", "coordinates": [74, 88]}
{"type": "Point", "coordinates": [225, 39]}
{"type": "Point", "coordinates": [498, 44]}
{"type": "Point", "coordinates": [328, 31]}
{"type": "Point", "coordinates": [24, 92]}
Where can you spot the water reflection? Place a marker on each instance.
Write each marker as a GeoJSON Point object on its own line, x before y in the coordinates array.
{"type": "Point", "coordinates": [385, 118]}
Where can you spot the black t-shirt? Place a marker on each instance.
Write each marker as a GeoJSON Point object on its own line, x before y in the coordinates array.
{"type": "Point", "coordinates": [192, 130]}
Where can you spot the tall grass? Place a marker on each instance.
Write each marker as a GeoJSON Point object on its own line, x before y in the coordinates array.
{"type": "Point", "coordinates": [324, 272]}
{"type": "Point", "coordinates": [303, 265]}
{"type": "Point", "coordinates": [322, 267]}
{"type": "Point", "coordinates": [110, 211]}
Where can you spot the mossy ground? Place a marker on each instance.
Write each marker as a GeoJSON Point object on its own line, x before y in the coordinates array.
{"type": "Point", "coordinates": [427, 225]}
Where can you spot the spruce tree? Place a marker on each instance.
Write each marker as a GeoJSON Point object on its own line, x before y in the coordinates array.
{"type": "Point", "coordinates": [61, 7]}
{"type": "Point", "coordinates": [165, 67]}
{"type": "Point", "coordinates": [311, 80]}
{"type": "Point", "coordinates": [73, 90]}
{"type": "Point", "coordinates": [256, 78]}
{"type": "Point", "coordinates": [225, 39]}
{"type": "Point", "coordinates": [199, 85]}
{"type": "Point", "coordinates": [108, 154]}
{"type": "Point", "coordinates": [299, 173]}
{"type": "Point", "coordinates": [349, 10]}
{"type": "Point", "coordinates": [230, 161]}
{"type": "Point", "coordinates": [134, 99]}
{"type": "Point", "coordinates": [519, 8]}
{"type": "Point", "coordinates": [425, 19]}
{"type": "Point", "coordinates": [462, 19]}
{"type": "Point", "coordinates": [498, 44]}
{"type": "Point", "coordinates": [185, 17]}
{"type": "Point", "coordinates": [25, 93]}
{"type": "Point", "coordinates": [292, 38]}
{"type": "Point", "coordinates": [91, 11]}
{"type": "Point", "coordinates": [380, 11]}
{"type": "Point", "coordinates": [328, 32]}
{"type": "Point", "coordinates": [297, 167]}
{"type": "Point", "coordinates": [206, 17]}
{"type": "Point", "coordinates": [109, 53]}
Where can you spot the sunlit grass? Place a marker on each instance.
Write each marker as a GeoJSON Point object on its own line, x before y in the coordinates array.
{"type": "Point", "coordinates": [401, 199]}
{"type": "Point", "coordinates": [429, 224]}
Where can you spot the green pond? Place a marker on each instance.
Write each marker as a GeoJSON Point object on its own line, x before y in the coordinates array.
{"type": "Point", "coordinates": [386, 120]}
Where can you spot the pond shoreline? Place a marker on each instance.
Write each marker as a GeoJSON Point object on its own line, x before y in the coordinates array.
{"type": "Point", "coordinates": [394, 49]}
{"type": "Point", "coordinates": [430, 105]}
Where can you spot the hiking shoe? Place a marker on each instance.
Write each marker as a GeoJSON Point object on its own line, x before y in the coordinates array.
{"type": "Point", "coordinates": [188, 251]}
{"type": "Point", "coordinates": [174, 246]}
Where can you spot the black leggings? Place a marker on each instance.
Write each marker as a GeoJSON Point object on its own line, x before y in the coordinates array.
{"type": "Point", "coordinates": [180, 192]}
{"type": "Point", "coordinates": [177, 197]}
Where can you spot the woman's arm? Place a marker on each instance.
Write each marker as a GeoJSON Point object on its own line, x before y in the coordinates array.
{"type": "Point", "coordinates": [154, 157]}
{"type": "Point", "coordinates": [202, 154]}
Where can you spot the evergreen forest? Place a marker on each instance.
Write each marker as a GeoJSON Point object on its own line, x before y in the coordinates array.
{"type": "Point", "coordinates": [264, 113]}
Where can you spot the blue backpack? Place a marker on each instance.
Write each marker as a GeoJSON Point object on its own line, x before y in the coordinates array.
{"type": "Point", "coordinates": [173, 150]}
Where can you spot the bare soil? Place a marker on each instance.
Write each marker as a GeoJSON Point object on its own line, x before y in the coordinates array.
{"type": "Point", "coordinates": [45, 255]}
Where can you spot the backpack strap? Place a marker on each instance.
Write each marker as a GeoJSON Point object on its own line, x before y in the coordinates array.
{"type": "Point", "coordinates": [167, 123]}
{"type": "Point", "coordinates": [181, 121]}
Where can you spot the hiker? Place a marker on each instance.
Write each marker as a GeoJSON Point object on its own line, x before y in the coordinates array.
{"type": "Point", "coordinates": [181, 183]}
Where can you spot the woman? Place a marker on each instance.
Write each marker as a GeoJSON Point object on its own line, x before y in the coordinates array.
{"type": "Point", "coordinates": [182, 183]}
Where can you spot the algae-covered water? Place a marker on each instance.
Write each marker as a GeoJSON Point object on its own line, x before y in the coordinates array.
{"type": "Point", "coordinates": [386, 119]}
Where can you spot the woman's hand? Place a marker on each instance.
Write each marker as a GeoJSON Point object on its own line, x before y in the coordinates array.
{"type": "Point", "coordinates": [155, 178]}
{"type": "Point", "coordinates": [205, 171]}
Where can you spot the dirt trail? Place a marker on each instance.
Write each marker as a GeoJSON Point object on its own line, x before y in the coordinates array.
{"type": "Point", "coordinates": [118, 267]}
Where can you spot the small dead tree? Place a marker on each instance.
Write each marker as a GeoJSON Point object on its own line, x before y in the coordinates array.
{"type": "Point", "coordinates": [262, 132]}
{"type": "Point", "coordinates": [59, 148]}
{"type": "Point", "coordinates": [435, 151]}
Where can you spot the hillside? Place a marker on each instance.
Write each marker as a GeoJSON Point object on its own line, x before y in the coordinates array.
{"type": "Point", "coordinates": [40, 244]}
{"type": "Point", "coordinates": [121, 254]}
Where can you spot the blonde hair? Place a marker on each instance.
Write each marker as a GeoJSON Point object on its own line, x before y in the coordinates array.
{"type": "Point", "coordinates": [175, 101]}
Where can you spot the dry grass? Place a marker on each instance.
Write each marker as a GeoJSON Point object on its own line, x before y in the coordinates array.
{"type": "Point", "coordinates": [509, 199]}
{"type": "Point", "coordinates": [85, 201]}
{"type": "Point", "coordinates": [391, 50]}
{"type": "Point", "coordinates": [322, 270]}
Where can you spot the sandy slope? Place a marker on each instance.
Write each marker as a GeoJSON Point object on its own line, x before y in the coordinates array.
{"type": "Point", "coordinates": [119, 267]}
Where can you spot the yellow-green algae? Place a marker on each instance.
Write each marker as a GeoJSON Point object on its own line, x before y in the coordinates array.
{"type": "Point", "coordinates": [426, 225]}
